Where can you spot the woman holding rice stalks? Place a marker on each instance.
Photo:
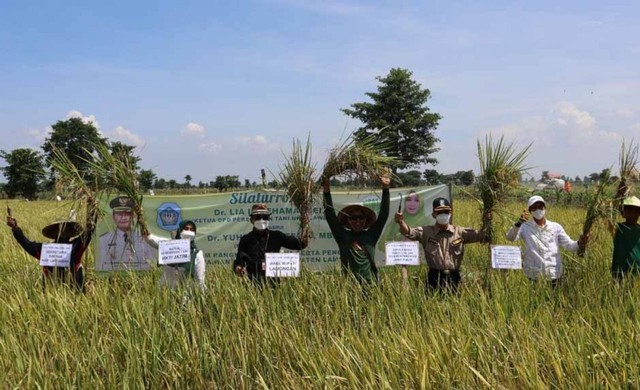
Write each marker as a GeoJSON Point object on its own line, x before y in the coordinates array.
{"type": "Point", "coordinates": [175, 274]}
{"type": "Point", "coordinates": [356, 230]}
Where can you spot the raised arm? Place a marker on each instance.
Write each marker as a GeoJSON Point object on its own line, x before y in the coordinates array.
{"type": "Point", "coordinates": [329, 211]}
{"type": "Point", "coordinates": [31, 247]}
{"type": "Point", "coordinates": [383, 213]}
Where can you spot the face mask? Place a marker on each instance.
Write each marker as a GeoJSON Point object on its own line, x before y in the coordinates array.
{"type": "Point", "coordinates": [538, 214]}
{"type": "Point", "coordinates": [188, 234]}
{"type": "Point", "coordinates": [261, 224]}
{"type": "Point", "coordinates": [443, 219]}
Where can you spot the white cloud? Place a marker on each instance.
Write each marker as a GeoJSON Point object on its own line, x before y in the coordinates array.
{"type": "Point", "coordinates": [257, 143]}
{"type": "Point", "coordinates": [194, 129]}
{"type": "Point", "coordinates": [326, 6]}
{"type": "Point", "coordinates": [125, 135]}
{"type": "Point", "coordinates": [85, 119]}
{"type": "Point", "coordinates": [569, 115]}
{"type": "Point", "coordinates": [210, 147]}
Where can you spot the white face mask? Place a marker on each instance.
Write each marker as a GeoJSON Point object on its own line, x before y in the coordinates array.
{"type": "Point", "coordinates": [261, 224]}
{"type": "Point", "coordinates": [538, 214]}
{"type": "Point", "coordinates": [443, 219]}
{"type": "Point", "coordinates": [188, 234]}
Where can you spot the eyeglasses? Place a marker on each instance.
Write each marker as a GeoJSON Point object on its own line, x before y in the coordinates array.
{"type": "Point", "coordinates": [357, 217]}
{"type": "Point", "coordinates": [263, 217]}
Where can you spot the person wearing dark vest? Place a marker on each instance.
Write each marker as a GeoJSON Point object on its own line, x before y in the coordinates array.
{"type": "Point", "coordinates": [356, 230]}
{"type": "Point", "coordinates": [253, 247]}
{"type": "Point", "coordinates": [443, 245]}
{"type": "Point", "coordinates": [626, 243]}
{"type": "Point", "coordinates": [175, 274]}
{"type": "Point", "coordinates": [61, 232]}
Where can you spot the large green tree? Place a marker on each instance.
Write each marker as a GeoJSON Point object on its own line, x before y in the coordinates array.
{"type": "Point", "coordinates": [76, 139]}
{"type": "Point", "coordinates": [399, 119]}
{"type": "Point", "coordinates": [24, 172]}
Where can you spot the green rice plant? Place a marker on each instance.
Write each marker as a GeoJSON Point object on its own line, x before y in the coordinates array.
{"type": "Point", "coordinates": [501, 168]}
{"type": "Point", "coordinates": [119, 175]}
{"type": "Point", "coordinates": [81, 187]}
{"type": "Point", "coordinates": [318, 331]}
{"type": "Point", "coordinates": [359, 159]}
{"type": "Point", "coordinates": [300, 179]}
{"type": "Point", "coordinates": [628, 160]}
{"type": "Point", "coordinates": [598, 206]}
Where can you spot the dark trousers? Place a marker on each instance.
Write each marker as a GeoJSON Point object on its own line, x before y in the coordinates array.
{"type": "Point", "coordinates": [439, 280]}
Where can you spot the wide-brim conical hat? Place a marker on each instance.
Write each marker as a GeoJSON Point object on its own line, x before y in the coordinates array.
{"type": "Point", "coordinates": [58, 229]}
{"type": "Point", "coordinates": [343, 215]}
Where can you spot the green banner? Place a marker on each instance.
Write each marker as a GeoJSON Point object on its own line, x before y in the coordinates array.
{"type": "Point", "coordinates": [222, 218]}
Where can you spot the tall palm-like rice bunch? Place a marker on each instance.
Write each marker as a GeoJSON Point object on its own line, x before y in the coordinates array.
{"type": "Point", "coordinates": [628, 160]}
{"type": "Point", "coordinates": [300, 178]}
{"type": "Point", "coordinates": [501, 167]}
{"type": "Point", "coordinates": [359, 159]}
{"type": "Point", "coordinates": [598, 206]}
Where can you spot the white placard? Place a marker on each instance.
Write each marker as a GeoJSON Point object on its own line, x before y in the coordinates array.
{"type": "Point", "coordinates": [282, 265]}
{"type": "Point", "coordinates": [506, 257]}
{"type": "Point", "coordinates": [402, 253]}
{"type": "Point", "coordinates": [55, 255]}
{"type": "Point", "coordinates": [174, 251]}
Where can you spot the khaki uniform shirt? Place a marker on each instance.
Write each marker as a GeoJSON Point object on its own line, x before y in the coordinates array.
{"type": "Point", "coordinates": [444, 249]}
{"type": "Point", "coordinates": [118, 254]}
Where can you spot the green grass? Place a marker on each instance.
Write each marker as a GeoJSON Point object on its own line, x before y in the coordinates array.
{"type": "Point", "coordinates": [318, 331]}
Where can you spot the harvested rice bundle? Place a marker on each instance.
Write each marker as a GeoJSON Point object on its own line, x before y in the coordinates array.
{"type": "Point", "coordinates": [501, 169]}
{"type": "Point", "coordinates": [598, 206]}
{"type": "Point", "coordinates": [364, 160]}
{"type": "Point", "coordinates": [300, 178]}
{"type": "Point", "coordinates": [118, 173]}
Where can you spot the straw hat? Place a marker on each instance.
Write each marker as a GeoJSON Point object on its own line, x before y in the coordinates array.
{"type": "Point", "coordinates": [343, 215]}
{"type": "Point", "coordinates": [59, 229]}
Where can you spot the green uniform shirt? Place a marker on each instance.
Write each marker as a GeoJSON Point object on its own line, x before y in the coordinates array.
{"type": "Point", "coordinates": [626, 249]}
{"type": "Point", "coordinates": [357, 249]}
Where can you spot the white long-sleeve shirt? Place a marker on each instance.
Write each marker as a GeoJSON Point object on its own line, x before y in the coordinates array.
{"type": "Point", "coordinates": [172, 276]}
{"type": "Point", "coordinates": [542, 254]}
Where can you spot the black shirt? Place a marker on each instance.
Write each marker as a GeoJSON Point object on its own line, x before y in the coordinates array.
{"type": "Point", "coordinates": [253, 246]}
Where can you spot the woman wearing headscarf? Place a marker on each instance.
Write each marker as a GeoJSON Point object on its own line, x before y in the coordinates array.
{"type": "Point", "coordinates": [174, 274]}
{"type": "Point", "coordinates": [356, 230]}
{"type": "Point", "coordinates": [414, 215]}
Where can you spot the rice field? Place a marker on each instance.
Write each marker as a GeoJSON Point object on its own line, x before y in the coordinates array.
{"type": "Point", "coordinates": [319, 331]}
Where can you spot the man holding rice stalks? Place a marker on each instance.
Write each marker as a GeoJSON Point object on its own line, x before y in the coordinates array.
{"type": "Point", "coordinates": [61, 232]}
{"type": "Point", "coordinates": [253, 246]}
{"type": "Point", "coordinates": [626, 244]}
{"type": "Point", "coordinates": [356, 230]}
{"type": "Point", "coordinates": [443, 245]}
{"type": "Point", "coordinates": [542, 239]}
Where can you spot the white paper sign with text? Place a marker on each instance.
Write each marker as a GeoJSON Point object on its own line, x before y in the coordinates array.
{"type": "Point", "coordinates": [402, 253]}
{"type": "Point", "coordinates": [55, 255]}
{"type": "Point", "coordinates": [174, 251]}
{"type": "Point", "coordinates": [506, 257]}
{"type": "Point", "coordinates": [282, 265]}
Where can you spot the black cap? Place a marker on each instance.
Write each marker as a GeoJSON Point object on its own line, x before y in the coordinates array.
{"type": "Point", "coordinates": [121, 203]}
{"type": "Point", "coordinates": [441, 204]}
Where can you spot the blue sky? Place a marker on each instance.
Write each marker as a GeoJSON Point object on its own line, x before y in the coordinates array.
{"type": "Point", "coordinates": [215, 88]}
